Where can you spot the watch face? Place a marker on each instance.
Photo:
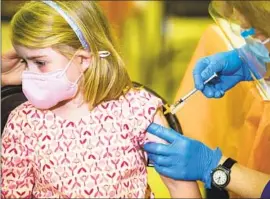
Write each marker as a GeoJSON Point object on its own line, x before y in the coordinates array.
{"type": "Point", "coordinates": [220, 177]}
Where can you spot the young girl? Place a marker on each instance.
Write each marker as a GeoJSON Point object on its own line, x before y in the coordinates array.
{"type": "Point", "coordinates": [80, 135]}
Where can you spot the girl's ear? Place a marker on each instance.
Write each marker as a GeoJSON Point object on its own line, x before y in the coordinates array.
{"type": "Point", "coordinates": [85, 59]}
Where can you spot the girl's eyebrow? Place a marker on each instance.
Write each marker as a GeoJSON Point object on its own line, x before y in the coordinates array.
{"type": "Point", "coordinates": [35, 57]}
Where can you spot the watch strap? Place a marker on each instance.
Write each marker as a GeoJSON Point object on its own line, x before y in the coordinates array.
{"type": "Point", "coordinates": [228, 163]}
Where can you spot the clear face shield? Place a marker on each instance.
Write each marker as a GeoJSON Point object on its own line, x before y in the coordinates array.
{"type": "Point", "coordinates": [251, 50]}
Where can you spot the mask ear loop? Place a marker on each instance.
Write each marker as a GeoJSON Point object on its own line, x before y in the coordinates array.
{"type": "Point", "coordinates": [66, 68]}
{"type": "Point", "coordinates": [266, 41]}
{"type": "Point", "coordinates": [250, 32]}
{"type": "Point", "coordinates": [69, 63]}
{"type": "Point", "coordinates": [76, 82]}
{"type": "Point", "coordinates": [102, 54]}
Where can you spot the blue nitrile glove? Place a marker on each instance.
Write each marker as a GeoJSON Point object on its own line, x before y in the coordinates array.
{"type": "Point", "coordinates": [182, 158]}
{"type": "Point", "coordinates": [229, 68]}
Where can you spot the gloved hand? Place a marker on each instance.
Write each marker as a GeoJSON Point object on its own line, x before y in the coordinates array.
{"type": "Point", "coordinates": [229, 68]}
{"type": "Point", "coordinates": [182, 158]}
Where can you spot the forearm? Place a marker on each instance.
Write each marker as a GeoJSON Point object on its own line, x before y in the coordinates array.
{"type": "Point", "coordinates": [182, 189]}
{"type": "Point", "coordinates": [186, 190]}
{"type": "Point", "coordinates": [177, 188]}
{"type": "Point", "coordinates": [245, 182]}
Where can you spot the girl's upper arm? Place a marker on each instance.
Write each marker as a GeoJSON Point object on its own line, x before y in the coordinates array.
{"type": "Point", "coordinates": [160, 119]}
{"type": "Point", "coordinates": [177, 188]}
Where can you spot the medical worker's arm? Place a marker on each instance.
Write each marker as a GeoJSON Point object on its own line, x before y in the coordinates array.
{"type": "Point", "coordinates": [229, 68]}
{"type": "Point", "coordinates": [12, 69]}
{"type": "Point", "coordinates": [177, 188]}
{"type": "Point", "coordinates": [246, 182]}
{"type": "Point", "coordinates": [189, 159]}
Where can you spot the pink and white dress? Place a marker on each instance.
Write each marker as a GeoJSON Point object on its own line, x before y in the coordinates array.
{"type": "Point", "coordinates": [99, 156]}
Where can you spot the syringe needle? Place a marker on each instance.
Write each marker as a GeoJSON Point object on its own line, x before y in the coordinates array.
{"type": "Point", "coordinates": [195, 89]}
{"type": "Point", "coordinates": [176, 106]}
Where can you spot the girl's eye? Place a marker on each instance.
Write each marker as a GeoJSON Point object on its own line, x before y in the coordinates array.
{"type": "Point", "coordinates": [40, 63]}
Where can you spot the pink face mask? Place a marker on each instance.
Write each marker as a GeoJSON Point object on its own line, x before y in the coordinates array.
{"type": "Point", "coordinates": [45, 90]}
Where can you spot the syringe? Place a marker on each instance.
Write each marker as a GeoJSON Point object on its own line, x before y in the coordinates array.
{"type": "Point", "coordinates": [179, 104]}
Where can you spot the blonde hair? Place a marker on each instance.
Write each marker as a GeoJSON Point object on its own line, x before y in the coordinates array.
{"type": "Point", "coordinates": [37, 25]}
{"type": "Point", "coordinates": [255, 13]}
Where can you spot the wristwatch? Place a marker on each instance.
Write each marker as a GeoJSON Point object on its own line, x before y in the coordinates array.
{"type": "Point", "coordinates": [221, 174]}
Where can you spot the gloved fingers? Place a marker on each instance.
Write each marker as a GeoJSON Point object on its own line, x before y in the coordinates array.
{"type": "Point", "coordinates": [208, 72]}
{"type": "Point", "coordinates": [213, 91]}
{"type": "Point", "coordinates": [199, 68]}
{"type": "Point", "coordinates": [218, 94]}
{"type": "Point", "coordinates": [209, 91]}
{"type": "Point", "coordinates": [160, 160]}
{"type": "Point", "coordinates": [157, 148]}
{"type": "Point", "coordinates": [218, 91]}
{"type": "Point", "coordinates": [168, 135]}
